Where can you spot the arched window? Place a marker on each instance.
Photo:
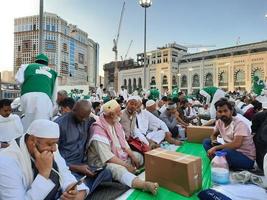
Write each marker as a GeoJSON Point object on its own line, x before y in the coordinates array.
{"type": "Point", "coordinates": [139, 83]}
{"type": "Point", "coordinates": [134, 84]}
{"type": "Point", "coordinates": [153, 81]}
{"type": "Point", "coordinates": [239, 77]}
{"type": "Point", "coordinates": [129, 85]}
{"type": "Point", "coordinates": [165, 80]}
{"type": "Point", "coordinates": [223, 79]}
{"type": "Point", "coordinates": [209, 79]}
{"type": "Point", "coordinates": [195, 82]}
{"type": "Point", "coordinates": [125, 83]}
{"type": "Point", "coordinates": [257, 73]}
{"type": "Point", "coordinates": [184, 81]}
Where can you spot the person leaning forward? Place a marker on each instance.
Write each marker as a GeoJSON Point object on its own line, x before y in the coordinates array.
{"type": "Point", "coordinates": [32, 168]}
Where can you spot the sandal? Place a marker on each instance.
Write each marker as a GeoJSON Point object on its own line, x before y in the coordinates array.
{"type": "Point", "coordinates": [241, 177]}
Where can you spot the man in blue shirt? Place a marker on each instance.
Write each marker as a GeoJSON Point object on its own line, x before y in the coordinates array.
{"type": "Point", "coordinates": [74, 133]}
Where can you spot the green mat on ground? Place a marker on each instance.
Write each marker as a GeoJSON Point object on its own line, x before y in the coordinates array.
{"type": "Point", "coordinates": [188, 148]}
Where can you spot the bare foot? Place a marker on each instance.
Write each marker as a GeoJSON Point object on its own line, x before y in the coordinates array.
{"type": "Point", "coordinates": [151, 187]}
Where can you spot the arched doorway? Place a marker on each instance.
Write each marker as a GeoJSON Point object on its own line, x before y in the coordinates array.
{"type": "Point", "coordinates": [209, 79]}
{"type": "Point", "coordinates": [134, 84]}
{"type": "Point", "coordinates": [239, 77]}
{"type": "Point", "coordinates": [184, 81]}
{"type": "Point", "coordinates": [223, 78]}
{"type": "Point", "coordinates": [139, 83]}
{"type": "Point", "coordinates": [165, 80]}
{"type": "Point", "coordinates": [153, 82]}
{"type": "Point", "coordinates": [257, 72]}
{"type": "Point", "coordinates": [130, 86]}
{"type": "Point", "coordinates": [195, 81]}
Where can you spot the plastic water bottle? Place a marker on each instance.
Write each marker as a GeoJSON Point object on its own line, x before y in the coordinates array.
{"type": "Point", "coordinates": [181, 132]}
{"type": "Point", "coordinates": [220, 168]}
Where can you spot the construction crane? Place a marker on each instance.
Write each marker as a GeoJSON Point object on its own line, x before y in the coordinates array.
{"type": "Point", "coordinates": [115, 49]}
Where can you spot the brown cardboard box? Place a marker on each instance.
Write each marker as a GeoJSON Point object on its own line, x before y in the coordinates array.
{"type": "Point", "coordinates": [197, 134]}
{"type": "Point", "coordinates": [178, 172]}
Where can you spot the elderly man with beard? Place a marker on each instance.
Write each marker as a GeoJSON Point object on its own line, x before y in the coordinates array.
{"type": "Point", "coordinates": [151, 130]}
{"type": "Point", "coordinates": [32, 168]}
{"type": "Point", "coordinates": [239, 144]}
{"type": "Point", "coordinates": [151, 106]}
{"type": "Point", "coordinates": [128, 116]}
{"type": "Point", "coordinates": [108, 146]}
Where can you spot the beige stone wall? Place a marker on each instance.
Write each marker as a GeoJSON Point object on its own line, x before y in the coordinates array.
{"type": "Point", "coordinates": [228, 73]}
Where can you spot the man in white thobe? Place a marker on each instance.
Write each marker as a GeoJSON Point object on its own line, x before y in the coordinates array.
{"type": "Point", "coordinates": [32, 168]}
{"type": "Point", "coordinates": [99, 92]}
{"type": "Point", "coordinates": [10, 124]}
{"type": "Point", "coordinates": [124, 93]}
{"type": "Point", "coordinates": [151, 130]}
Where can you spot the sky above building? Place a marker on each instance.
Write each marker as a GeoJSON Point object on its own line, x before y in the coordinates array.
{"type": "Point", "coordinates": [200, 22]}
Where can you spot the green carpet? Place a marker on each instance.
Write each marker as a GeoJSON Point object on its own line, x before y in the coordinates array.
{"type": "Point", "coordinates": [188, 148]}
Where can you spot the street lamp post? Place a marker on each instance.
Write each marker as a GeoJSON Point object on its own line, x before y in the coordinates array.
{"type": "Point", "coordinates": [41, 11]}
{"type": "Point", "coordinates": [145, 4]}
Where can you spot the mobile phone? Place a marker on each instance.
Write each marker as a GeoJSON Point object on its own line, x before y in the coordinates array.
{"type": "Point", "coordinates": [98, 169]}
{"type": "Point", "coordinates": [215, 143]}
{"type": "Point", "coordinates": [79, 182]}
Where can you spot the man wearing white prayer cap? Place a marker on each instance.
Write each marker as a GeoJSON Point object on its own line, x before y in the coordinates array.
{"type": "Point", "coordinates": [150, 103]}
{"type": "Point", "coordinates": [32, 168]}
{"type": "Point", "coordinates": [151, 106]}
{"type": "Point", "coordinates": [151, 130]}
{"type": "Point", "coordinates": [128, 116]}
{"type": "Point", "coordinates": [108, 146]}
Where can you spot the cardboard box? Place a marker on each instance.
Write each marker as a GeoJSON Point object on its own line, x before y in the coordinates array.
{"type": "Point", "coordinates": [178, 172]}
{"type": "Point", "coordinates": [197, 134]}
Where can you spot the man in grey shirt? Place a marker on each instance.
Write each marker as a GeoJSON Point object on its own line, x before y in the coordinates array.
{"type": "Point", "coordinates": [128, 117]}
{"type": "Point", "coordinates": [74, 133]}
{"type": "Point", "coordinates": [169, 116]}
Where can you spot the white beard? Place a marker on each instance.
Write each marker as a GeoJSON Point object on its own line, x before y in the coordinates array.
{"type": "Point", "coordinates": [117, 120]}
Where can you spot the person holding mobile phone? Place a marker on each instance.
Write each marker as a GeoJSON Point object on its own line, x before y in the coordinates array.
{"type": "Point", "coordinates": [32, 168]}
{"type": "Point", "coordinates": [74, 128]}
